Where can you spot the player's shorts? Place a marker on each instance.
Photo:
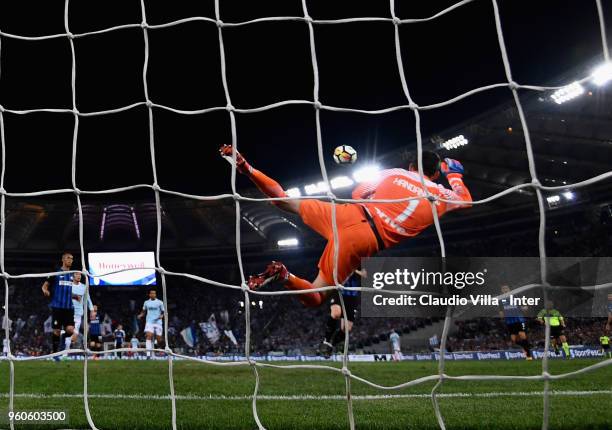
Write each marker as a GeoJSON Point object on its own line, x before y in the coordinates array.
{"type": "Point", "coordinates": [156, 329]}
{"type": "Point", "coordinates": [355, 236]}
{"type": "Point", "coordinates": [516, 327]}
{"type": "Point", "coordinates": [351, 304]}
{"type": "Point", "coordinates": [556, 331]}
{"type": "Point", "coordinates": [605, 347]}
{"type": "Point", "coordinates": [62, 318]}
{"type": "Point", "coordinates": [78, 319]}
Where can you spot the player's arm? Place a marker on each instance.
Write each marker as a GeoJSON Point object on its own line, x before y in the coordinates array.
{"type": "Point", "coordinates": [453, 170]}
{"type": "Point", "coordinates": [561, 320]}
{"type": "Point", "coordinates": [540, 316]}
{"type": "Point", "coordinates": [142, 313]}
{"type": "Point", "coordinates": [45, 287]}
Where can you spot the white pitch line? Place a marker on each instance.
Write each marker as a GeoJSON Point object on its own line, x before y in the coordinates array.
{"type": "Point", "coordinates": [298, 397]}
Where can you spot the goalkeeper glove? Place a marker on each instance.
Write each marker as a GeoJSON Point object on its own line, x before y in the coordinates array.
{"type": "Point", "coordinates": [451, 168]}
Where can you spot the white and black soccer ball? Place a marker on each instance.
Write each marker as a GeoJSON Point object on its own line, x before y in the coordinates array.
{"type": "Point", "coordinates": [345, 154]}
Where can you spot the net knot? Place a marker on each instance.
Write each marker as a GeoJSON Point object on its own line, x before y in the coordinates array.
{"type": "Point", "coordinates": [2, 191]}
{"type": "Point", "coordinates": [220, 23]}
{"type": "Point", "coordinates": [308, 19]}
{"type": "Point", "coordinates": [149, 104]}
{"type": "Point", "coordinates": [75, 111]}
{"type": "Point", "coordinates": [156, 187]}
{"type": "Point", "coordinates": [76, 191]}
{"type": "Point", "coordinates": [346, 371]}
{"type": "Point", "coordinates": [413, 106]}
{"type": "Point", "coordinates": [236, 196]}
{"type": "Point", "coordinates": [70, 35]}
{"type": "Point", "coordinates": [161, 270]}
{"type": "Point", "coordinates": [144, 25]}
{"type": "Point", "coordinates": [244, 286]}
{"type": "Point", "coordinates": [545, 376]}
{"type": "Point", "coordinates": [331, 196]}
{"type": "Point", "coordinates": [5, 275]}
{"type": "Point", "coordinates": [168, 350]}
{"type": "Point", "coordinates": [513, 85]}
{"type": "Point", "coordinates": [432, 198]}
{"type": "Point", "coordinates": [536, 182]}
{"type": "Point", "coordinates": [318, 105]}
{"type": "Point", "coordinates": [1, 108]}
{"type": "Point", "coordinates": [230, 107]}
{"type": "Point", "coordinates": [396, 20]}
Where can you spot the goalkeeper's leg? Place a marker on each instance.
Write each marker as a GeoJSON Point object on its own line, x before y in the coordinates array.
{"type": "Point", "coordinates": [266, 185]}
{"type": "Point", "coordinates": [277, 272]}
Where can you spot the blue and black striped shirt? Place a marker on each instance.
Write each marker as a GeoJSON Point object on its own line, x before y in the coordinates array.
{"type": "Point", "coordinates": [61, 290]}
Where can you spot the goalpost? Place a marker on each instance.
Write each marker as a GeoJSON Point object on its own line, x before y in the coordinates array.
{"type": "Point", "coordinates": [317, 106]}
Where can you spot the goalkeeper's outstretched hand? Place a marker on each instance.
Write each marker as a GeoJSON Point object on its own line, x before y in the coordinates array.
{"type": "Point", "coordinates": [226, 152]}
{"type": "Point", "coordinates": [451, 167]}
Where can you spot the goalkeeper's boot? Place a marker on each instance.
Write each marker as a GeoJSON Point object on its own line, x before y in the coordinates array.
{"type": "Point", "coordinates": [241, 165]}
{"type": "Point", "coordinates": [276, 271]}
{"type": "Point", "coordinates": [326, 349]}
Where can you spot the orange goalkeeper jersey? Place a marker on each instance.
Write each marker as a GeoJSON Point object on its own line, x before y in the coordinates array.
{"type": "Point", "coordinates": [400, 220]}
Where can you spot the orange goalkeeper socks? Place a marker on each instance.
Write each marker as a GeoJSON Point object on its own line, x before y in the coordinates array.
{"type": "Point", "coordinates": [310, 300]}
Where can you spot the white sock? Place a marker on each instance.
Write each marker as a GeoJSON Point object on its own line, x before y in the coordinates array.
{"type": "Point", "coordinates": [149, 347]}
{"type": "Point", "coordinates": [68, 341]}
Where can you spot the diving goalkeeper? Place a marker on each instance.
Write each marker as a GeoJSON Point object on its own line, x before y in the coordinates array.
{"type": "Point", "coordinates": [363, 228]}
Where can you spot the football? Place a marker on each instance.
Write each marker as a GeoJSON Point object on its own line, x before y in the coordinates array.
{"type": "Point", "coordinates": [345, 154]}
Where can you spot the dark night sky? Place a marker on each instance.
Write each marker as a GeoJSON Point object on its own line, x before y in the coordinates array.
{"type": "Point", "coordinates": [266, 63]}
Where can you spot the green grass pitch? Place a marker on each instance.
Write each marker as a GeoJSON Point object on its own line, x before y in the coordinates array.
{"type": "Point", "coordinates": [133, 395]}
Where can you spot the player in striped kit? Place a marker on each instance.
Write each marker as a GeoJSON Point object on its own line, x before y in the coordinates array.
{"type": "Point", "coordinates": [154, 311]}
{"type": "Point", "coordinates": [334, 331]}
{"type": "Point", "coordinates": [78, 296]}
{"type": "Point", "coordinates": [119, 335]}
{"type": "Point", "coordinates": [515, 323]}
{"type": "Point", "coordinates": [59, 288]}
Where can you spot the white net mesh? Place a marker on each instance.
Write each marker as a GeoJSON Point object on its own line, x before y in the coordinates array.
{"type": "Point", "coordinates": [317, 105]}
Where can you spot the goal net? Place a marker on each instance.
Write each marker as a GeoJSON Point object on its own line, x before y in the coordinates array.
{"type": "Point", "coordinates": [318, 106]}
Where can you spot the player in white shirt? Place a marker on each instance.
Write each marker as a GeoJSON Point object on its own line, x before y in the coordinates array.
{"type": "Point", "coordinates": [154, 311]}
{"type": "Point", "coordinates": [395, 342]}
{"type": "Point", "coordinates": [78, 296]}
{"type": "Point", "coordinates": [135, 344]}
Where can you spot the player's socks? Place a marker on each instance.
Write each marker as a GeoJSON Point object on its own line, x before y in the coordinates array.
{"type": "Point", "coordinates": [55, 340]}
{"type": "Point", "coordinates": [566, 349]}
{"type": "Point", "coordinates": [266, 185]}
{"type": "Point", "coordinates": [277, 272]}
{"type": "Point", "coordinates": [149, 345]}
{"type": "Point", "coordinates": [524, 343]}
{"type": "Point", "coordinates": [311, 300]}
{"type": "Point", "coordinates": [331, 330]}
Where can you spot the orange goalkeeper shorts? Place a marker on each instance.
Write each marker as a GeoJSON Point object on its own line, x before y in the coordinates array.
{"type": "Point", "coordinates": [355, 236]}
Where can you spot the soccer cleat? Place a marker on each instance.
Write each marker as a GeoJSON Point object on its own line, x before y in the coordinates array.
{"type": "Point", "coordinates": [326, 349]}
{"type": "Point", "coordinates": [226, 152]}
{"type": "Point", "coordinates": [529, 358]}
{"type": "Point", "coordinates": [276, 271]}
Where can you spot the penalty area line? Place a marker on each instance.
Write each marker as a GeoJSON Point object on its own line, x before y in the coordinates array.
{"type": "Point", "coordinates": [300, 397]}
